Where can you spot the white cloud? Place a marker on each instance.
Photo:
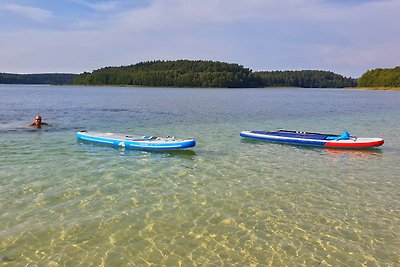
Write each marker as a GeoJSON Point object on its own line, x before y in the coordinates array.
{"type": "Point", "coordinates": [34, 13]}
{"type": "Point", "coordinates": [98, 6]}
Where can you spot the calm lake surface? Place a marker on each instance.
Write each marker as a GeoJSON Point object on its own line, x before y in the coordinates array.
{"type": "Point", "coordinates": [228, 201]}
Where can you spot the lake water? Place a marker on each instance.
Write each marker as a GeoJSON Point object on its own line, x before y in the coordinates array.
{"type": "Point", "coordinates": [227, 201]}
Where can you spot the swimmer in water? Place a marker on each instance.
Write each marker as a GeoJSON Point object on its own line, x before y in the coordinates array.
{"type": "Point", "coordinates": [38, 122]}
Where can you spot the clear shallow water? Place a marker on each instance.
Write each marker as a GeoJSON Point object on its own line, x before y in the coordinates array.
{"type": "Point", "coordinates": [227, 201]}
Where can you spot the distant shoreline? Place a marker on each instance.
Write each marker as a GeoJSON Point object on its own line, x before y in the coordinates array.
{"type": "Point", "coordinates": [375, 88]}
{"type": "Point", "coordinates": [272, 87]}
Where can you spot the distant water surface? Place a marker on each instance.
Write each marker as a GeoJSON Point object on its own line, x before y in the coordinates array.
{"type": "Point", "coordinates": [228, 201]}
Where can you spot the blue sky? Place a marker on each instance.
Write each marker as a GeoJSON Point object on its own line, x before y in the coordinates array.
{"type": "Point", "coordinates": [346, 37]}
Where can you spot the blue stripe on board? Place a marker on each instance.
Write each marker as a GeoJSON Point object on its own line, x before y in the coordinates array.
{"type": "Point", "coordinates": [286, 141]}
{"type": "Point", "coordinates": [295, 135]}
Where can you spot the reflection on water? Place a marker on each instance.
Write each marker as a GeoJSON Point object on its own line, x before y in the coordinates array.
{"type": "Point", "coordinates": [124, 151]}
{"type": "Point", "coordinates": [354, 153]}
{"type": "Point", "coordinates": [331, 152]}
{"type": "Point", "coordinates": [228, 201]}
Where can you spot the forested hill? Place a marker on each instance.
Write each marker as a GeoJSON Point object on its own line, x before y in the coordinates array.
{"type": "Point", "coordinates": [187, 73]}
{"type": "Point", "coordinates": [50, 78]}
{"type": "Point", "coordinates": [380, 78]}
{"type": "Point", "coordinates": [180, 73]}
{"type": "Point", "coordinates": [305, 78]}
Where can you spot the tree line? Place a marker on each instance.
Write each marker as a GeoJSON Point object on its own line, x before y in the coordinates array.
{"type": "Point", "coordinates": [49, 78]}
{"type": "Point", "coordinates": [305, 78]}
{"type": "Point", "coordinates": [180, 73]}
{"type": "Point", "coordinates": [380, 78]}
{"type": "Point", "coordinates": [199, 73]}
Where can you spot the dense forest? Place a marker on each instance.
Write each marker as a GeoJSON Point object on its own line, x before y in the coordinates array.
{"type": "Point", "coordinates": [186, 73]}
{"type": "Point", "coordinates": [180, 73]}
{"type": "Point", "coordinates": [305, 78]}
{"type": "Point", "coordinates": [50, 78]}
{"type": "Point", "coordinates": [380, 78]}
{"type": "Point", "coordinates": [200, 73]}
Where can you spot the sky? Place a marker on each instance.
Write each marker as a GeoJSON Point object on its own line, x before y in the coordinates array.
{"type": "Point", "coordinates": [347, 37]}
